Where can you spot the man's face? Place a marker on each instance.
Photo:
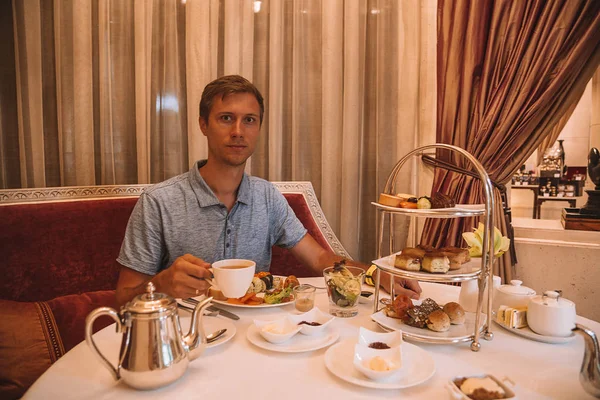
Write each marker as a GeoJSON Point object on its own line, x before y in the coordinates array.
{"type": "Point", "coordinates": [232, 129]}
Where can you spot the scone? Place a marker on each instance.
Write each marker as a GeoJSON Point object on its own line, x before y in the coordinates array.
{"type": "Point", "coordinates": [455, 312]}
{"type": "Point", "coordinates": [407, 262]}
{"type": "Point", "coordinates": [438, 321]}
{"type": "Point", "coordinates": [435, 262]}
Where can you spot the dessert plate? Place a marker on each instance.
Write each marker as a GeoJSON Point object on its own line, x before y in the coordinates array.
{"type": "Point", "coordinates": [471, 209]}
{"type": "Point", "coordinates": [212, 324]}
{"type": "Point", "coordinates": [417, 366]}
{"type": "Point", "coordinates": [529, 334]}
{"type": "Point", "coordinates": [456, 332]}
{"type": "Point", "coordinates": [468, 269]}
{"type": "Point", "coordinates": [297, 344]}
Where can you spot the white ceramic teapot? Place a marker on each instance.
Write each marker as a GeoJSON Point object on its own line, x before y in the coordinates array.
{"type": "Point", "coordinates": [551, 315]}
{"type": "Point", "coordinates": [153, 352]}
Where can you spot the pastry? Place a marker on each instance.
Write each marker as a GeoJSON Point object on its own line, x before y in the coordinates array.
{"type": "Point", "coordinates": [399, 307]}
{"type": "Point", "coordinates": [438, 321]}
{"type": "Point", "coordinates": [425, 247]}
{"type": "Point", "coordinates": [414, 252]}
{"type": "Point", "coordinates": [417, 316]}
{"type": "Point", "coordinates": [407, 262]}
{"type": "Point", "coordinates": [460, 255]}
{"type": "Point", "coordinates": [440, 200]}
{"type": "Point", "coordinates": [390, 200]}
{"type": "Point", "coordinates": [455, 312]}
{"type": "Point", "coordinates": [435, 262]}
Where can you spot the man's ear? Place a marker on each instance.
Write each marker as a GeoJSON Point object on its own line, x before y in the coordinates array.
{"type": "Point", "coordinates": [203, 125]}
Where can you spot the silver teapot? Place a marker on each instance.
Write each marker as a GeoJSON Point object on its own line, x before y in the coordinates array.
{"type": "Point", "coordinates": [589, 376]}
{"type": "Point", "coordinates": [154, 352]}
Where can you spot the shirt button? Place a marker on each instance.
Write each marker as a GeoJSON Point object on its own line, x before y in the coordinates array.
{"type": "Point", "coordinates": [228, 231]}
{"type": "Point", "coordinates": [227, 245]}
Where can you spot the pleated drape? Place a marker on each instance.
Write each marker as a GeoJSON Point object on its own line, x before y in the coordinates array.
{"type": "Point", "coordinates": [508, 73]}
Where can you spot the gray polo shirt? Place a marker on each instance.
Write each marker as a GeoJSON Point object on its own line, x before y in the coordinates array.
{"type": "Point", "coordinates": [182, 215]}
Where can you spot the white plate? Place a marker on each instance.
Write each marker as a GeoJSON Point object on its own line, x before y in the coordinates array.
{"type": "Point", "coordinates": [297, 344]}
{"type": "Point", "coordinates": [455, 332]}
{"type": "Point", "coordinates": [417, 366]}
{"type": "Point", "coordinates": [263, 305]}
{"type": "Point", "coordinates": [470, 268]}
{"type": "Point", "coordinates": [529, 334]}
{"type": "Point", "coordinates": [212, 324]}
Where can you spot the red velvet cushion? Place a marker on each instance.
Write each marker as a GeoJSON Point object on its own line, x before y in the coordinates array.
{"type": "Point", "coordinates": [54, 249]}
{"type": "Point", "coordinates": [35, 335]}
{"type": "Point", "coordinates": [282, 260]}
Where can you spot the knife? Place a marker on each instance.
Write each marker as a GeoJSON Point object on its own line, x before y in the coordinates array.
{"type": "Point", "coordinates": [221, 311]}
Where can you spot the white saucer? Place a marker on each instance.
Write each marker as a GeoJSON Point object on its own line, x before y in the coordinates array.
{"type": "Point", "coordinates": [529, 334]}
{"type": "Point", "coordinates": [417, 366]}
{"type": "Point", "coordinates": [212, 324]}
{"type": "Point", "coordinates": [297, 344]}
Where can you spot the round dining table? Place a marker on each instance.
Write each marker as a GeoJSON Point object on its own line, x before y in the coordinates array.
{"type": "Point", "coordinates": [238, 369]}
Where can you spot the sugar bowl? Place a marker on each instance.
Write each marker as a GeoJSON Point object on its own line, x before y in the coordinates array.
{"type": "Point", "coordinates": [551, 315]}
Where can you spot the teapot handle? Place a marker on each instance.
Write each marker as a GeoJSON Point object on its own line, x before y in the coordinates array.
{"type": "Point", "coordinates": [89, 323]}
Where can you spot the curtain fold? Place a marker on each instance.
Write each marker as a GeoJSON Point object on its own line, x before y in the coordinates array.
{"type": "Point", "coordinates": [108, 93]}
{"type": "Point", "coordinates": [508, 72]}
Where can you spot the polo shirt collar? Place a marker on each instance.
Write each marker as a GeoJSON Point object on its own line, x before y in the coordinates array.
{"type": "Point", "coordinates": [204, 193]}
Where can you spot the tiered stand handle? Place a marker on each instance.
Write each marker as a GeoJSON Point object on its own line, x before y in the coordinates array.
{"type": "Point", "coordinates": [484, 277]}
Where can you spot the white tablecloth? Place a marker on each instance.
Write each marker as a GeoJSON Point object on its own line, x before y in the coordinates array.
{"type": "Point", "coordinates": [240, 370]}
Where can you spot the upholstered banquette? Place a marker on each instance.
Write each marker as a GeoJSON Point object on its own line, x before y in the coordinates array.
{"type": "Point", "coordinates": [58, 248]}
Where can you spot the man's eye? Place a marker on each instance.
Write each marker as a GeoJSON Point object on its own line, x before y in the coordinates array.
{"type": "Point", "coordinates": [226, 118]}
{"type": "Point", "coordinates": [250, 120]}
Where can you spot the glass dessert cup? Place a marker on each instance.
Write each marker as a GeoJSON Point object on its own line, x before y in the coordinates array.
{"type": "Point", "coordinates": [343, 289]}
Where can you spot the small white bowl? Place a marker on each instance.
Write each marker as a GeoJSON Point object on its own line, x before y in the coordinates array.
{"type": "Point", "coordinates": [277, 331]}
{"type": "Point", "coordinates": [506, 384]}
{"type": "Point", "coordinates": [314, 315]}
{"type": "Point", "coordinates": [364, 355]}
{"type": "Point", "coordinates": [392, 339]}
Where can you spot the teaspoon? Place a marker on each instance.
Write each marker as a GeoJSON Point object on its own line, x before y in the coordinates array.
{"type": "Point", "coordinates": [215, 335]}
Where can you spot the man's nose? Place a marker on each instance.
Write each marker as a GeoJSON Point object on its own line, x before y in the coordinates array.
{"type": "Point", "coordinates": [237, 128]}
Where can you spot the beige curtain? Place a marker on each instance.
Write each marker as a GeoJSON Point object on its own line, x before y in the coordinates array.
{"type": "Point", "coordinates": [107, 92]}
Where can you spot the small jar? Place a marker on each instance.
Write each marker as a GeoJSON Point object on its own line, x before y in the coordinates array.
{"type": "Point", "coordinates": [304, 296]}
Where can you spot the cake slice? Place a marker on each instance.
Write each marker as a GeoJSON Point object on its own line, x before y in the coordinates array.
{"type": "Point", "coordinates": [407, 262]}
{"type": "Point", "coordinates": [436, 262]}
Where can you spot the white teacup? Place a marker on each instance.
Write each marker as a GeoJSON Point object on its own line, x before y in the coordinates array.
{"type": "Point", "coordinates": [233, 276]}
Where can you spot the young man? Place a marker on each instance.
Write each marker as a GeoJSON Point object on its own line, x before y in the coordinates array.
{"type": "Point", "coordinates": [215, 211]}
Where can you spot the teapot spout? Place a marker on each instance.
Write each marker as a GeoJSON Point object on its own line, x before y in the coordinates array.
{"type": "Point", "coordinates": [195, 340]}
{"type": "Point", "coordinates": [589, 376]}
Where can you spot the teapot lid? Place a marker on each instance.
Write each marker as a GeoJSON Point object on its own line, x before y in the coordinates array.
{"type": "Point", "coordinates": [515, 288]}
{"type": "Point", "coordinates": [151, 301]}
{"type": "Point", "coordinates": [554, 299]}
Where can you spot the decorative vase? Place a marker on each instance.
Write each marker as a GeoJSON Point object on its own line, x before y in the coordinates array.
{"type": "Point", "coordinates": [561, 154]}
